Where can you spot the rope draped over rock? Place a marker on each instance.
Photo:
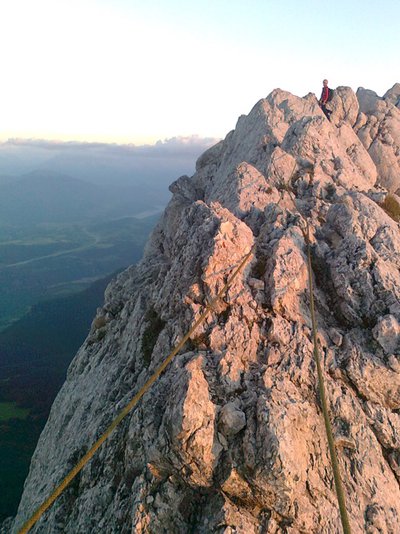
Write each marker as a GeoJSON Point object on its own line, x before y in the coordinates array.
{"type": "Point", "coordinates": [305, 229]}
{"type": "Point", "coordinates": [129, 407]}
{"type": "Point", "coordinates": [254, 362]}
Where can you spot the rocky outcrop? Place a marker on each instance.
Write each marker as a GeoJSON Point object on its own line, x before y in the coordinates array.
{"type": "Point", "coordinates": [344, 106]}
{"type": "Point", "coordinates": [378, 127]}
{"type": "Point", "coordinates": [231, 438]}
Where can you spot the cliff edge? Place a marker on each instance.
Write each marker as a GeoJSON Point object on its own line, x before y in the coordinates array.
{"type": "Point", "coordinates": [231, 439]}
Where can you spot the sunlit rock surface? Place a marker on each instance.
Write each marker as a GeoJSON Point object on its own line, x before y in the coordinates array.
{"type": "Point", "coordinates": [231, 439]}
{"type": "Point", "coordinates": [378, 127]}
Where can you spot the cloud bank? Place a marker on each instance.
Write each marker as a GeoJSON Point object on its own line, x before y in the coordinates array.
{"type": "Point", "coordinates": [104, 163]}
{"type": "Point", "coordinates": [175, 146]}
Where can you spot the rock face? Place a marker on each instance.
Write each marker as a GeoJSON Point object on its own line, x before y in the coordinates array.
{"type": "Point", "coordinates": [378, 127]}
{"type": "Point", "coordinates": [231, 437]}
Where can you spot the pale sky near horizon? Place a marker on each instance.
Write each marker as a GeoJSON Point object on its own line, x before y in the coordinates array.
{"type": "Point", "coordinates": [129, 71]}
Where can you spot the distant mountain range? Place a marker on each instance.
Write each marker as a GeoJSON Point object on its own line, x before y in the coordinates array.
{"type": "Point", "coordinates": [105, 164]}
{"type": "Point", "coordinates": [44, 196]}
{"type": "Point", "coordinates": [69, 213]}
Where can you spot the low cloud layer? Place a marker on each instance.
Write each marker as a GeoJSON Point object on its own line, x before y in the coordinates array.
{"type": "Point", "coordinates": [175, 146]}
{"type": "Point", "coordinates": [103, 163]}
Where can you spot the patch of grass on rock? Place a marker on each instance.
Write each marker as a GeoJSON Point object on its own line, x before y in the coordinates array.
{"type": "Point", "coordinates": [392, 207]}
{"type": "Point", "coordinates": [154, 327]}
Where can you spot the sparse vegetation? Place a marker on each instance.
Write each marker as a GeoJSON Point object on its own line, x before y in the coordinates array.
{"type": "Point", "coordinates": [259, 268]}
{"type": "Point", "coordinates": [392, 207]}
{"type": "Point", "coordinates": [101, 334]}
{"type": "Point", "coordinates": [199, 342]}
{"type": "Point", "coordinates": [224, 315]}
{"type": "Point", "coordinates": [323, 280]}
{"type": "Point", "coordinates": [9, 410]}
{"type": "Point", "coordinates": [100, 322]}
{"type": "Point", "coordinates": [330, 191]}
{"type": "Point", "coordinates": [150, 335]}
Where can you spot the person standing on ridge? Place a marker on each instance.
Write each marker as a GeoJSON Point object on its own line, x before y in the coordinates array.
{"type": "Point", "coordinates": [326, 96]}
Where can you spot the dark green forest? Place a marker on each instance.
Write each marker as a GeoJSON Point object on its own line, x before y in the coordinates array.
{"type": "Point", "coordinates": [34, 356]}
{"type": "Point", "coordinates": [36, 349]}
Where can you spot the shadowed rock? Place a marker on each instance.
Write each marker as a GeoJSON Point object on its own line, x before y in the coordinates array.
{"type": "Point", "coordinates": [231, 437]}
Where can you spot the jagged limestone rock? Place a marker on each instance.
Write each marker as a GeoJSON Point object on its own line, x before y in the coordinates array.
{"type": "Point", "coordinates": [393, 95]}
{"type": "Point", "coordinates": [379, 130]}
{"type": "Point", "coordinates": [231, 437]}
{"type": "Point", "coordinates": [387, 333]}
{"type": "Point", "coordinates": [344, 106]}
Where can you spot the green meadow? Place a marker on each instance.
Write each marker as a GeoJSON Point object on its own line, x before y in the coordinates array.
{"type": "Point", "coordinates": [9, 410]}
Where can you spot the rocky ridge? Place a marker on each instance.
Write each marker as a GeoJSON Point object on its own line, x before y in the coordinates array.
{"type": "Point", "coordinates": [231, 438]}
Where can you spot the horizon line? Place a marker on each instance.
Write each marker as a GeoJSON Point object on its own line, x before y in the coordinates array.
{"type": "Point", "coordinates": [41, 142]}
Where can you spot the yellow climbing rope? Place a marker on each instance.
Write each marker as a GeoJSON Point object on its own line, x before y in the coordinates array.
{"type": "Point", "coordinates": [321, 384]}
{"type": "Point", "coordinates": [85, 459]}
{"type": "Point", "coordinates": [209, 307]}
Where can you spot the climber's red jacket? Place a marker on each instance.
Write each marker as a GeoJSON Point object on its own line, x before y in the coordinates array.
{"type": "Point", "coordinates": [324, 95]}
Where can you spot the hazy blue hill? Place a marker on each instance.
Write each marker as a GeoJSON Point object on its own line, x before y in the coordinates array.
{"type": "Point", "coordinates": [121, 168]}
{"type": "Point", "coordinates": [106, 164]}
{"type": "Point", "coordinates": [5, 179]}
{"type": "Point", "coordinates": [142, 167]}
{"type": "Point", "coordinates": [44, 196]}
{"type": "Point", "coordinates": [16, 159]}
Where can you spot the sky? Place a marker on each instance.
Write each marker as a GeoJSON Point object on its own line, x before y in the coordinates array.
{"type": "Point", "coordinates": [136, 72]}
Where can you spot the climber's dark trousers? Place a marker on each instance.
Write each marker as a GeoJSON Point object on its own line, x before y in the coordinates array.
{"type": "Point", "coordinates": [327, 112]}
